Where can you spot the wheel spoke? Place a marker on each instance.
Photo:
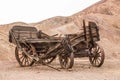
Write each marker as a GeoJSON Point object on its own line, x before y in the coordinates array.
{"type": "Point", "coordinates": [65, 63]}
{"type": "Point", "coordinates": [93, 59]}
{"type": "Point", "coordinates": [98, 61]}
{"type": "Point", "coordinates": [48, 60]}
{"type": "Point", "coordinates": [21, 57]}
{"type": "Point", "coordinates": [27, 61]}
{"type": "Point", "coordinates": [95, 62]}
{"type": "Point", "coordinates": [23, 61]}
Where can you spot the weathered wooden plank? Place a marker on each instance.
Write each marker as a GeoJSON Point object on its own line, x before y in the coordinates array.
{"type": "Point", "coordinates": [41, 40]}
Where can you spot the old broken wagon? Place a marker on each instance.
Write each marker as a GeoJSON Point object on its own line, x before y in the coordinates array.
{"type": "Point", "coordinates": [35, 46]}
{"type": "Point", "coordinates": [85, 45]}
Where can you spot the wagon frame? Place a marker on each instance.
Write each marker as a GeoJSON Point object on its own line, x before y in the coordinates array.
{"type": "Point", "coordinates": [35, 46]}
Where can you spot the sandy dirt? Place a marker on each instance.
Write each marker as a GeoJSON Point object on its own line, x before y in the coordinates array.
{"type": "Point", "coordinates": [82, 70]}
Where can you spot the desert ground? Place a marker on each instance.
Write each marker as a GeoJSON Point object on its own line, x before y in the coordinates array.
{"type": "Point", "coordinates": [82, 70]}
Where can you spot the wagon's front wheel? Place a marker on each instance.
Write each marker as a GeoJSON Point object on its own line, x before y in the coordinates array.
{"type": "Point", "coordinates": [23, 60]}
{"type": "Point", "coordinates": [66, 60]}
{"type": "Point", "coordinates": [97, 56]}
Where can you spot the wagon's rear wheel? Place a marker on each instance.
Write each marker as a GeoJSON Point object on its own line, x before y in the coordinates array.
{"type": "Point", "coordinates": [97, 56]}
{"type": "Point", "coordinates": [66, 60]}
{"type": "Point", "coordinates": [23, 60]}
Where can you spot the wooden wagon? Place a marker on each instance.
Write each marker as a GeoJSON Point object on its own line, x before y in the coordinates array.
{"type": "Point", "coordinates": [35, 46]}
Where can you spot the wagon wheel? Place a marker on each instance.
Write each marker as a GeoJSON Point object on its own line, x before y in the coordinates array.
{"type": "Point", "coordinates": [23, 60]}
{"type": "Point", "coordinates": [48, 60]}
{"type": "Point", "coordinates": [97, 56]}
{"type": "Point", "coordinates": [66, 60]}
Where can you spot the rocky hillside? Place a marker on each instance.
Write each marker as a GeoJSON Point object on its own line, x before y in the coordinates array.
{"type": "Point", "coordinates": [104, 13]}
{"type": "Point", "coordinates": [107, 7]}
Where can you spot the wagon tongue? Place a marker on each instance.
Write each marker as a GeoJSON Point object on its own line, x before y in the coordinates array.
{"type": "Point", "coordinates": [37, 59]}
{"type": "Point", "coordinates": [52, 67]}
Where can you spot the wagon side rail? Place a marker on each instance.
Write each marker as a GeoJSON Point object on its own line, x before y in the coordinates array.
{"type": "Point", "coordinates": [91, 32]}
{"type": "Point", "coordinates": [15, 40]}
